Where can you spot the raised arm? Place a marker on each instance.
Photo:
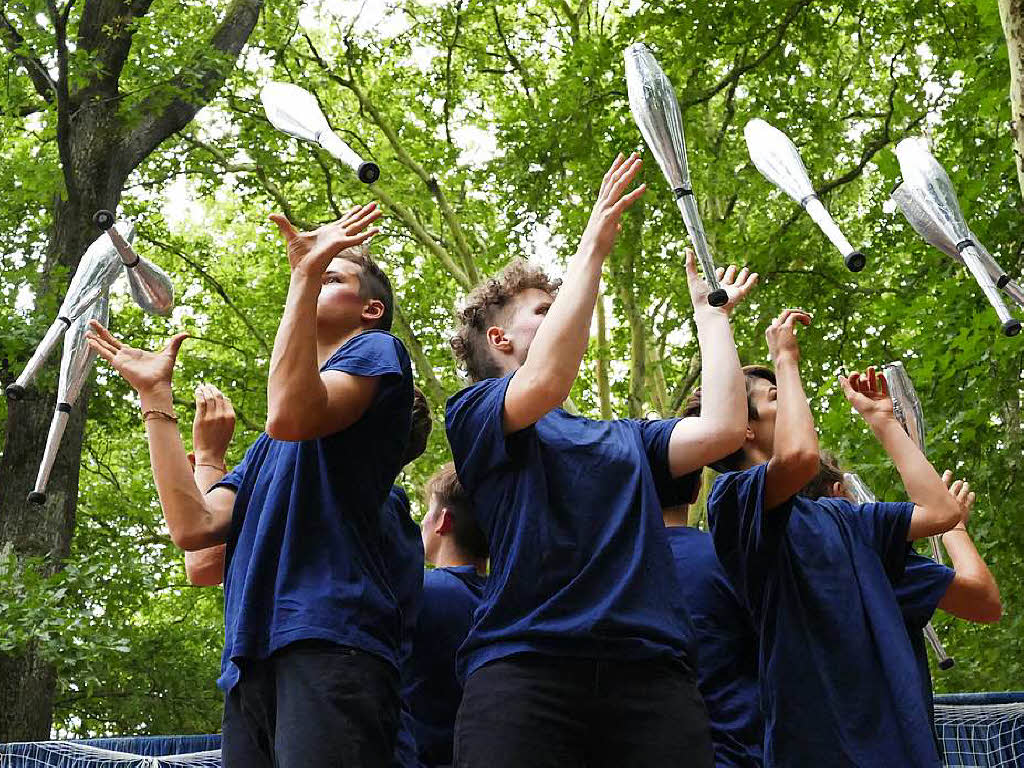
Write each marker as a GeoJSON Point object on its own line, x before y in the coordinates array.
{"type": "Point", "coordinates": [795, 455]}
{"type": "Point", "coordinates": [212, 428]}
{"type": "Point", "coordinates": [195, 520]}
{"type": "Point", "coordinates": [553, 361]}
{"type": "Point", "coordinates": [973, 594]}
{"type": "Point", "coordinates": [721, 427]}
{"type": "Point", "coordinates": [935, 511]}
{"type": "Point", "coordinates": [302, 403]}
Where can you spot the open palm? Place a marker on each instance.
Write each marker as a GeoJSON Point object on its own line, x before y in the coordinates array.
{"type": "Point", "coordinates": [142, 369]}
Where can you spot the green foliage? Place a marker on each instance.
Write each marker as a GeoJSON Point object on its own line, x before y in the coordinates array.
{"type": "Point", "coordinates": [542, 85]}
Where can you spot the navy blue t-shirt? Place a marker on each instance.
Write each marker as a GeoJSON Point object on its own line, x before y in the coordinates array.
{"type": "Point", "coordinates": [836, 664]}
{"type": "Point", "coordinates": [727, 649]}
{"type": "Point", "coordinates": [580, 564]}
{"type": "Point", "coordinates": [304, 558]}
{"type": "Point", "coordinates": [919, 591]}
{"type": "Point", "coordinates": [431, 688]}
{"type": "Point", "coordinates": [403, 553]}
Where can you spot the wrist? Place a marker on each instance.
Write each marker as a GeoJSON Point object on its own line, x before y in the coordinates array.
{"type": "Point", "coordinates": [786, 357]}
{"type": "Point", "coordinates": [958, 527]}
{"type": "Point", "coordinates": [210, 458]}
{"type": "Point", "coordinates": [157, 397]}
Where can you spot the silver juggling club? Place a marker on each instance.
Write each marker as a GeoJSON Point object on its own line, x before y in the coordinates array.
{"type": "Point", "coordinates": [97, 270]}
{"type": "Point", "coordinates": [656, 111]}
{"type": "Point", "coordinates": [150, 286]}
{"type": "Point", "coordinates": [925, 180]}
{"type": "Point", "coordinates": [859, 492]}
{"type": "Point", "coordinates": [779, 161]}
{"type": "Point", "coordinates": [74, 370]}
{"type": "Point", "coordinates": [295, 111]}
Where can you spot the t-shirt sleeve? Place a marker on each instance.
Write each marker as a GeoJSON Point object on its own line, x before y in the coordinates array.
{"type": "Point", "coordinates": [473, 422]}
{"type": "Point", "coordinates": [885, 525]}
{"type": "Point", "coordinates": [922, 586]}
{"type": "Point", "coordinates": [746, 535]}
{"type": "Point", "coordinates": [656, 435]}
{"type": "Point", "coordinates": [371, 353]}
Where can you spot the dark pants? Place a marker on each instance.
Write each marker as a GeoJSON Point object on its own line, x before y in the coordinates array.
{"type": "Point", "coordinates": [536, 711]}
{"type": "Point", "coordinates": [312, 704]}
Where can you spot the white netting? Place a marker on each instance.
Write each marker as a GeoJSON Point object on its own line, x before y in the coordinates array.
{"type": "Point", "coordinates": [981, 735]}
{"type": "Point", "coordinates": [63, 754]}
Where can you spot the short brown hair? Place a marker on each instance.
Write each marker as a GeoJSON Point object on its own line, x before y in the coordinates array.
{"type": "Point", "coordinates": [829, 473]}
{"type": "Point", "coordinates": [485, 306]}
{"type": "Point", "coordinates": [419, 429]}
{"type": "Point", "coordinates": [445, 486]}
{"type": "Point", "coordinates": [373, 283]}
{"type": "Point", "coordinates": [751, 373]}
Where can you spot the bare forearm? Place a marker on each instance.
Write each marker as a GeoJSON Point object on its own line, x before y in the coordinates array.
{"type": "Point", "coordinates": [294, 368]}
{"type": "Point", "coordinates": [561, 341]}
{"type": "Point", "coordinates": [724, 394]}
{"type": "Point", "coordinates": [183, 505]}
{"type": "Point", "coordinates": [974, 594]}
{"type": "Point", "coordinates": [794, 425]}
{"type": "Point", "coordinates": [923, 484]}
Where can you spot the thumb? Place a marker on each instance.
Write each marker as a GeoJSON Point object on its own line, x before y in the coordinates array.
{"type": "Point", "coordinates": [844, 382]}
{"type": "Point", "coordinates": [175, 344]}
{"type": "Point", "coordinates": [284, 226]}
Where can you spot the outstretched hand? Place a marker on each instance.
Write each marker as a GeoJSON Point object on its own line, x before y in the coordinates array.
{"type": "Point", "coordinates": [309, 253]}
{"type": "Point", "coordinates": [612, 201]}
{"type": "Point", "coordinates": [737, 284]}
{"type": "Point", "coordinates": [145, 371]}
{"type": "Point", "coordinates": [868, 393]}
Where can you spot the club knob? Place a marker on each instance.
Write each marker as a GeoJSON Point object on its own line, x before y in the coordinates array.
{"type": "Point", "coordinates": [1011, 327]}
{"type": "Point", "coordinates": [14, 392]}
{"type": "Point", "coordinates": [37, 498]}
{"type": "Point", "coordinates": [947, 663]}
{"type": "Point", "coordinates": [855, 261]}
{"type": "Point", "coordinates": [718, 298]}
{"type": "Point", "coordinates": [1002, 281]}
{"type": "Point", "coordinates": [368, 172]}
{"type": "Point", "coordinates": [103, 219]}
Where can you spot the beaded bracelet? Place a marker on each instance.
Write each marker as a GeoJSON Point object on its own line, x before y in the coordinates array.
{"type": "Point", "coordinates": [157, 413]}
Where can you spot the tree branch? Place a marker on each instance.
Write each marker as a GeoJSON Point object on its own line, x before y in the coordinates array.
{"type": "Point", "coordinates": [734, 74]}
{"type": "Point", "coordinates": [162, 119]}
{"type": "Point", "coordinates": [15, 43]}
{"type": "Point", "coordinates": [435, 389]}
{"type": "Point", "coordinates": [106, 30]}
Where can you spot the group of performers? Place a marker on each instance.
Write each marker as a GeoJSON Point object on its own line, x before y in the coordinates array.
{"type": "Point", "coordinates": [571, 618]}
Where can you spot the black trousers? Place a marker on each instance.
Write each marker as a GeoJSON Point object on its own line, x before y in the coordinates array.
{"type": "Point", "coordinates": [536, 711]}
{"type": "Point", "coordinates": [312, 704]}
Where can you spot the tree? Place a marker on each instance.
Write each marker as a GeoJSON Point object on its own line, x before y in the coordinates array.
{"type": "Point", "coordinates": [107, 105]}
{"type": "Point", "coordinates": [493, 123]}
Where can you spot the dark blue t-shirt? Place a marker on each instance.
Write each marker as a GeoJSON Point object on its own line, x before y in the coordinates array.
{"type": "Point", "coordinates": [431, 688]}
{"type": "Point", "coordinates": [403, 552]}
{"type": "Point", "coordinates": [836, 664]}
{"type": "Point", "coordinates": [304, 556]}
{"type": "Point", "coordinates": [580, 564]}
{"type": "Point", "coordinates": [919, 591]}
{"type": "Point", "coordinates": [727, 649]}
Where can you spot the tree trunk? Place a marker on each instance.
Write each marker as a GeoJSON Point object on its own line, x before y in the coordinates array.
{"type": "Point", "coordinates": [603, 387]}
{"type": "Point", "coordinates": [97, 155]}
{"type": "Point", "coordinates": [1012, 14]}
{"type": "Point", "coordinates": [28, 683]}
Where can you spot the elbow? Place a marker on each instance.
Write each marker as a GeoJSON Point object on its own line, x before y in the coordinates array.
{"type": "Point", "coordinates": [547, 390]}
{"type": "Point", "coordinates": [190, 539]}
{"type": "Point", "coordinates": [990, 605]}
{"type": "Point", "coordinates": [282, 425]}
{"type": "Point", "coordinates": [800, 464]}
